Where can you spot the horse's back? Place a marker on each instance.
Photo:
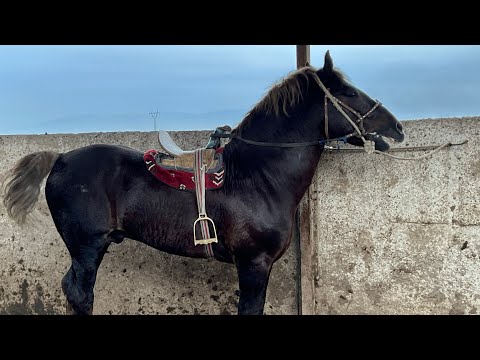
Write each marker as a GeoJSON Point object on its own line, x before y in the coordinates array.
{"type": "Point", "coordinates": [92, 162]}
{"type": "Point", "coordinates": [95, 157]}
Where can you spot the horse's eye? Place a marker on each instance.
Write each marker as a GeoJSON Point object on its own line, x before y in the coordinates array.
{"type": "Point", "coordinates": [351, 94]}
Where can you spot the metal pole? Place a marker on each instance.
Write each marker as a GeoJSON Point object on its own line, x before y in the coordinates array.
{"type": "Point", "coordinates": [305, 247]}
{"type": "Point", "coordinates": [303, 55]}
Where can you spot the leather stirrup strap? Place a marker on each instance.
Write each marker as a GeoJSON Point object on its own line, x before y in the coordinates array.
{"type": "Point", "coordinates": [199, 173]}
{"type": "Point", "coordinates": [327, 135]}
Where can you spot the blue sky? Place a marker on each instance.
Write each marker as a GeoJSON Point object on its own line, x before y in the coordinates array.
{"type": "Point", "coordinates": [72, 88]}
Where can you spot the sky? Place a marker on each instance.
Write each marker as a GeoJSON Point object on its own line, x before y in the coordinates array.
{"type": "Point", "coordinates": [89, 88]}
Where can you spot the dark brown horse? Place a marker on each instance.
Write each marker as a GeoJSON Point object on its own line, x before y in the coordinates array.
{"type": "Point", "coordinates": [102, 194]}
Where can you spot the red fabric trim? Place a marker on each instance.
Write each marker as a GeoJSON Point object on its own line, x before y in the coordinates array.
{"type": "Point", "coordinates": [179, 179]}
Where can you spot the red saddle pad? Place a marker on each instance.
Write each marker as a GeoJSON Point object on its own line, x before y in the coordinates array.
{"type": "Point", "coordinates": [181, 179]}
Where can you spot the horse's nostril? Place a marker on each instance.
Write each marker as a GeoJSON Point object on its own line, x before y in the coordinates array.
{"type": "Point", "coordinates": [399, 127]}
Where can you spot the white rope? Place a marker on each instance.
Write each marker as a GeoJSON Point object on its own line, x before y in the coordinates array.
{"type": "Point", "coordinates": [417, 148]}
{"type": "Point", "coordinates": [416, 157]}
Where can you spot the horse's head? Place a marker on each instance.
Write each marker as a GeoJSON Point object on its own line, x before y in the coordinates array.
{"type": "Point", "coordinates": [371, 118]}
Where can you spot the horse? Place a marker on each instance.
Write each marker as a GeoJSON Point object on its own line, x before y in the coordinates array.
{"type": "Point", "coordinates": [101, 194]}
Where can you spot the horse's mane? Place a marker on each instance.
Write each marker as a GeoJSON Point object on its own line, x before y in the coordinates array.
{"type": "Point", "coordinates": [288, 92]}
{"type": "Point", "coordinates": [285, 94]}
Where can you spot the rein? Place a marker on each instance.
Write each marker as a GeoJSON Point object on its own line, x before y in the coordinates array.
{"type": "Point", "coordinates": [281, 145]}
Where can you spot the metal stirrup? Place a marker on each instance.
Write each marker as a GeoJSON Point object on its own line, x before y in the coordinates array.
{"type": "Point", "coordinates": [203, 220]}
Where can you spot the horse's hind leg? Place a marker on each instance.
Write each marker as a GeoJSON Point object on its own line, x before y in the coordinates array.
{"type": "Point", "coordinates": [253, 275]}
{"type": "Point", "coordinates": [79, 281]}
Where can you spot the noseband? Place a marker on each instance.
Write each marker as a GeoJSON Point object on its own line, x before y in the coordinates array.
{"type": "Point", "coordinates": [358, 121]}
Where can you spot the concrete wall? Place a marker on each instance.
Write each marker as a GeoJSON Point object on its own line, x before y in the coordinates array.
{"type": "Point", "coordinates": [393, 237]}
{"type": "Point", "coordinates": [133, 278]}
{"type": "Point", "coordinates": [400, 237]}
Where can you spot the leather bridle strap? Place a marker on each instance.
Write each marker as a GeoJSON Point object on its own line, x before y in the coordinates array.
{"type": "Point", "coordinates": [334, 101]}
{"type": "Point", "coordinates": [361, 117]}
{"type": "Point", "coordinates": [262, 143]}
{"type": "Point", "coordinates": [282, 145]}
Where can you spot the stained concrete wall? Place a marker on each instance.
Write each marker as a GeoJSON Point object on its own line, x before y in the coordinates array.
{"type": "Point", "coordinates": [400, 237]}
{"type": "Point", "coordinates": [133, 278]}
{"type": "Point", "coordinates": [393, 237]}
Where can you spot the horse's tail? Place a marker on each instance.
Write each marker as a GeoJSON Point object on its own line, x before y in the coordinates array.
{"type": "Point", "coordinates": [23, 183]}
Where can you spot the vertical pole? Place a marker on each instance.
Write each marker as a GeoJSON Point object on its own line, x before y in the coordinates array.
{"type": "Point", "coordinates": [305, 244]}
{"type": "Point", "coordinates": [303, 55]}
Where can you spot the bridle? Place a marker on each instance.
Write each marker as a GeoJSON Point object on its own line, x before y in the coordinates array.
{"type": "Point", "coordinates": [359, 129]}
{"type": "Point", "coordinates": [368, 145]}
{"type": "Point", "coordinates": [358, 121]}
{"type": "Point", "coordinates": [357, 124]}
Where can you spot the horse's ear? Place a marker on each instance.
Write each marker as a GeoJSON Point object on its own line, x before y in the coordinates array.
{"type": "Point", "coordinates": [328, 66]}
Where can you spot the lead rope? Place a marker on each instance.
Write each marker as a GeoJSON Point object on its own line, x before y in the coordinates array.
{"type": "Point", "coordinates": [423, 156]}
{"type": "Point", "coordinates": [407, 148]}
{"type": "Point", "coordinates": [369, 145]}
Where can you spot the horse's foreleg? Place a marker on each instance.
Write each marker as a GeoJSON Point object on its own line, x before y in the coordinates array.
{"type": "Point", "coordinates": [253, 277]}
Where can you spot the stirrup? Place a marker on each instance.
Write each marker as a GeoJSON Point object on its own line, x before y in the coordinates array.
{"type": "Point", "coordinates": [204, 217]}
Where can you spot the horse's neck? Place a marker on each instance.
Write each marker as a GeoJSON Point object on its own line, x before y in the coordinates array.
{"type": "Point", "coordinates": [296, 171]}
{"type": "Point", "coordinates": [286, 172]}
